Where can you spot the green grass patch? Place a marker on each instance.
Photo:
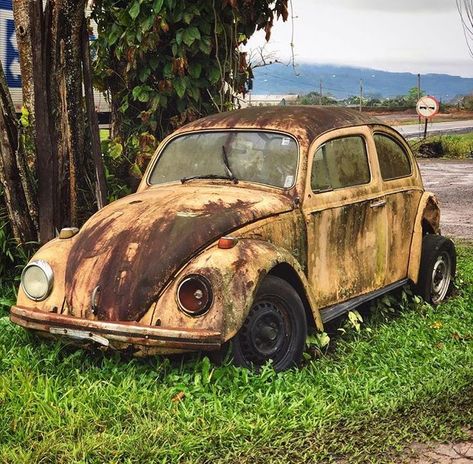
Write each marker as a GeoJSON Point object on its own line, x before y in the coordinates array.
{"type": "Point", "coordinates": [403, 377]}
{"type": "Point", "coordinates": [457, 146]}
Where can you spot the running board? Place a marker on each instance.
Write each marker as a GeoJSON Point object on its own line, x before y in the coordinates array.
{"type": "Point", "coordinates": [332, 312]}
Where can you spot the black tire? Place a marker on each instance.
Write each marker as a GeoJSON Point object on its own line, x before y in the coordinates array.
{"type": "Point", "coordinates": [437, 268]}
{"type": "Point", "coordinates": [275, 328]}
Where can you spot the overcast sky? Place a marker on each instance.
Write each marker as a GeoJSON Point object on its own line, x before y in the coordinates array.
{"type": "Point", "coordinates": [419, 36]}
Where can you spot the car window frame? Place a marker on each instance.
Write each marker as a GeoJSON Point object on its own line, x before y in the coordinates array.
{"type": "Point", "coordinates": [370, 168]}
{"type": "Point", "coordinates": [405, 151]}
{"type": "Point", "coordinates": [172, 137]}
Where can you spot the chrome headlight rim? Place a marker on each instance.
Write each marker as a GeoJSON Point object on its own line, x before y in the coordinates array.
{"type": "Point", "coordinates": [48, 272]}
{"type": "Point", "coordinates": [202, 280]}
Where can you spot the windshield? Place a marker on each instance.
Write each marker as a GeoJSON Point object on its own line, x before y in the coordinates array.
{"type": "Point", "coordinates": [260, 157]}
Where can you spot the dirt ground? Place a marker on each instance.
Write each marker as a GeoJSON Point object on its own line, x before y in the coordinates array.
{"type": "Point", "coordinates": [452, 182]}
{"type": "Point", "coordinates": [457, 453]}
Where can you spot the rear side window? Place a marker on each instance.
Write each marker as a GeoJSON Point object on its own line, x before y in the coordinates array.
{"type": "Point", "coordinates": [340, 163]}
{"type": "Point", "coordinates": [393, 159]}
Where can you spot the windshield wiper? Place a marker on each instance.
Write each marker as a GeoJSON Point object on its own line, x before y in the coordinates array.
{"type": "Point", "coordinates": [230, 175]}
{"type": "Point", "coordinates": [227, 165]}
{"type": "Point", "coordinates": [208, 176]}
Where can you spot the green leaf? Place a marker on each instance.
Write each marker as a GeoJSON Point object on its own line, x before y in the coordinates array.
{"type": "Point", "coordinates": [180, 87]}
{"type": "Point", "coordinates": [205, 46]}
{"type": "Point", "coordinates": [124, 106]}
{"type": "Point", "coordinates": [167, 71]}
{"type": "Point", "coordinates": [114, 35]}
{"type": "Point", "coordinates": [179, 36]}
{"type": "Point", "coordinates": [157, 5]}
{"type": "Point", "coordinates": [136, 171]}
{"type": "Point", "coordinates": [155, 102]}
{"type": "Point", "coordinates": [214, 75]}
{"type": "Point", "coordinates": [144, 73]}
{"type": "Point", "coordinates": [190, 35]}
{"type": "Point", "coordinates": [188, 17]}
{"type": "Point", "coordinates": [323, 339]}
{"type": "Point", "coordinates": [116, 149]}
{"type": "Point", "coordinates": [154, 62]}
{"type": "Point", "coordinates": [25, 117]}
{"type": "Point", "coordinates": [195, 69]}
{"type": "Point", "coordinates": [141, 93]}
{"type": "Point", "coordinates": [135, 9]}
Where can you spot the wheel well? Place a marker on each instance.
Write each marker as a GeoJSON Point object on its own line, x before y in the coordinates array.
{"type": "Point", "coordinates": [427, 227]}
{"type": "Point", "coordinates": [286, 272]}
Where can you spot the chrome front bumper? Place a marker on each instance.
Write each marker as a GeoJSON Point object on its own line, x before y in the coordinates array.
{"type": "Point", "coordinates": [106, 334]}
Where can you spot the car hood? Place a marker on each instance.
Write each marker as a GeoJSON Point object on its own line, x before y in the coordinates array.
{"type": "Point", "coordinates": [128, 251]}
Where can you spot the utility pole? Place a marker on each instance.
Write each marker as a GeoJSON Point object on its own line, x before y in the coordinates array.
{"type": "Point", "coordinates": [361, 95]}
{"type": "Point", "coordinates": [418, 91]}
{"type": "Point", "coordinates": [320, 92]}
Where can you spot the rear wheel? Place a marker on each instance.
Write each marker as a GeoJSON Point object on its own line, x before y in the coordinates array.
{"type": "Point", "coordinates": [274, 330]}
{"type": "Point", "coordinates": [437, 268]}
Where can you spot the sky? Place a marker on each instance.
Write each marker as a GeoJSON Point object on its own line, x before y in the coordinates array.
{"type": "Point", "coordinates": [418, 36]}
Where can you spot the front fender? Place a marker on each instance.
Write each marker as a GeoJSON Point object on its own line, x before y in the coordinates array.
{"type": "Point", "coordinates": [235, 275]}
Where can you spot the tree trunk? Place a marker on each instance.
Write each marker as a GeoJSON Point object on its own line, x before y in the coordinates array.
{"type": "Point", "coordinates": [55, 66]}
{"type": "Point", "coordinates": [21, 221]}
{"type": "Point", "coordinates": [100, 182]}
{"type": "Point", "coordinates": [21, 14]}
{"type": "Point", "coordinates": [76, 173]}
{"type": "Point", "coordinates": [46, 166]}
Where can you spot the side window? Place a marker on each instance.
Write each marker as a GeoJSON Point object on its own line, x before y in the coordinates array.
{"type": "Point", "coordinates": [340, 163]}
{"type": "Point", "coordinates": [393, 159]}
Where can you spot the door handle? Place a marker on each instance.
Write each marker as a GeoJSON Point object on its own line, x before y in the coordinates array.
{"type": "Point", "coordinates": [378, 204]}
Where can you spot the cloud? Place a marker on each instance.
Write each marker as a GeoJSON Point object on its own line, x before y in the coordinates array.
{"type": "Point", "coordinates": [399, 6]}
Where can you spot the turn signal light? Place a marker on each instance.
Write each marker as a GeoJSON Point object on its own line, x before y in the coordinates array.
{"type": "Point", "coordinates": [68, 232]}
{"type": "Point", "coordinates": [225, 243]}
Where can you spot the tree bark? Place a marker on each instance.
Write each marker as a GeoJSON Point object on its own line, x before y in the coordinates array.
{"type": "Point", "coordinates": [21, 221]}
{"type": "Point", "coordinates": [68, 124]}
{"type": "Point", "coordinates": [100, 182]}
{"type": "Point", "coordinates": [21, 14]}
{"type": "Point", "coordinates": [46, 166]}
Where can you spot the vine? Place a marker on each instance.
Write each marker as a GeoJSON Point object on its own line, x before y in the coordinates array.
{"type": "Point", "coordinates": [169, 62]}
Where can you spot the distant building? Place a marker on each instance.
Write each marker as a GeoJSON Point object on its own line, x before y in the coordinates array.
{"type": "Point", "coordinates": [269, 100]}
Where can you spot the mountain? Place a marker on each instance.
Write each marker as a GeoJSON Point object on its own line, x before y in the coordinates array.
{"type": "Point", "coordinates": [344, 81]}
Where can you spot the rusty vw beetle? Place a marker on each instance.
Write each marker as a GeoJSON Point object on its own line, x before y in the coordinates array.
{"type": "Point", "coordinates": [248, 227]}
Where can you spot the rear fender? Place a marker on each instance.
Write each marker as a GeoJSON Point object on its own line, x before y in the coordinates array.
{"type": "Point", "coordinates": [427, 221]}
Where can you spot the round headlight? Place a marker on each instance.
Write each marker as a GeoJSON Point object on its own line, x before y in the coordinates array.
{"type": "Point", "coordinates": [37, 280]}
{"type": "Point", "coordinates": [194, 295]}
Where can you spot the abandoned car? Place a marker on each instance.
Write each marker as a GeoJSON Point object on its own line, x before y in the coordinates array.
{"type": "Point", "coordinates": [249, 227]}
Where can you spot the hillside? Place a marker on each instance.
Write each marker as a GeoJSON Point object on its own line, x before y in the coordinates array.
{"type": "Point", "coordinates": [344, 81]}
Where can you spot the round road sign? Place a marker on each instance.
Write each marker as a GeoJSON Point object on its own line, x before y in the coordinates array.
{"type": "Point", "coordinates": [427, 107]}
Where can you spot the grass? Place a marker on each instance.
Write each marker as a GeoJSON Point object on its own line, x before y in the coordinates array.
{"type": "Point", "coordinates": [458, 146]}
{"type": "Point", "coordinates": [402, 378]}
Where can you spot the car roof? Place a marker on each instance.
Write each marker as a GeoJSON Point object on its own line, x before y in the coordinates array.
{"type": "Point", "coordinates": [306, 122]}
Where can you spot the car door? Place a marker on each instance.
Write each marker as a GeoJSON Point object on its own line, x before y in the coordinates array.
{"type": "Point", "coordinates": [403, 188]}
{"type": "Point", "coordinates": [345, 214]}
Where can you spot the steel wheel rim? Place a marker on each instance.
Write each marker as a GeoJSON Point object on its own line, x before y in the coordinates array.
{"type": "Point", "coordinates": [267, 334]}
{"type": "Point", "coordinates": [441, 277]}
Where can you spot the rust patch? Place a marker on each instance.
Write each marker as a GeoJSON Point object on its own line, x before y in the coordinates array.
{"type": "Point", "coordinates": [304, 122]}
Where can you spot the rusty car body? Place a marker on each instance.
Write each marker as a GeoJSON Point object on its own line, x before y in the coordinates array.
{"type": "Point", "coordinates": [193, 263]}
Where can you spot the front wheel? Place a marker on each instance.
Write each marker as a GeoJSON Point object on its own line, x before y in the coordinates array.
{"type": "Point", "coordinates": [274, 330]}
{"type": "Point", "coordinates": [437, 268]}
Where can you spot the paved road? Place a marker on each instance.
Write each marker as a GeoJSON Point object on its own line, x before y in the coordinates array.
{"type": "Point", "coordinates": [450, 127]}
{"type": "Point", "coordinates": [452, 182]}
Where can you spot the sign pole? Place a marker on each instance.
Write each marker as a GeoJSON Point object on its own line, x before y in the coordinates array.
{"type": "Point", "coordinates": [427, 108]}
